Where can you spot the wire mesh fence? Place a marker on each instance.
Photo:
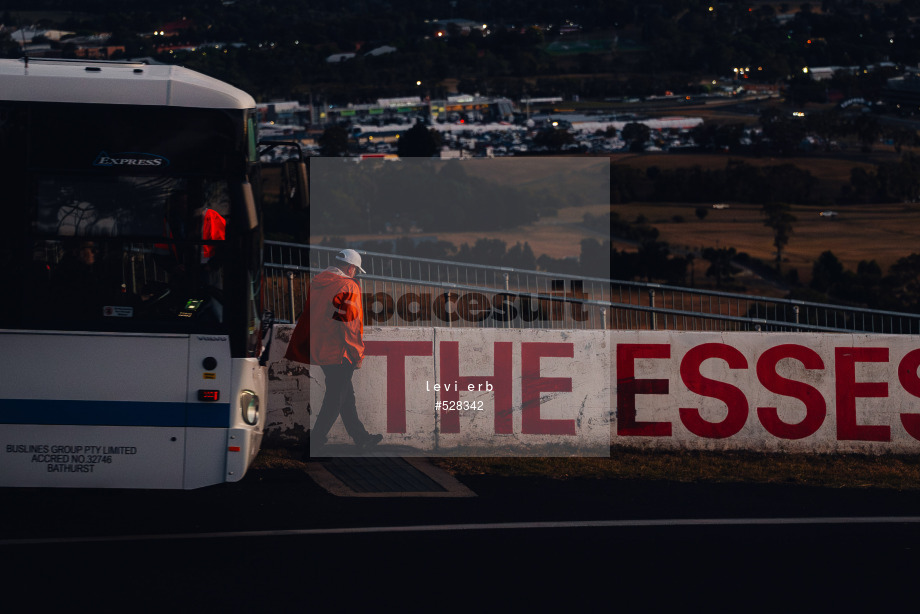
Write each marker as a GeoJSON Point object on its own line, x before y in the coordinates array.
{"type": "Point", "coordinates": [408, 291]}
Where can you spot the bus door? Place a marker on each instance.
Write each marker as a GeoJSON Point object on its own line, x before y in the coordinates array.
{"type": "Point", "coordinates": [208, 399]}
{"type": "Point", "coordinates": [109, 410]}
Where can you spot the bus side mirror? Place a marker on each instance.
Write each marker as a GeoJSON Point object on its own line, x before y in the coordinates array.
{"type": "Point", "coordinates": [298, 170]}
{"type": "Point", "coordinates": [268, 327]}
{"type": "Point", "coordinates": [249, 205]}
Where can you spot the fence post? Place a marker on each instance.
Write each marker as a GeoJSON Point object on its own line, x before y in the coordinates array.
{"type": "Point", "coordinates": [795, 308]}
{"type": "Point", "coordinates": [651, 302]}
{"type": "Point", "coordinates": [291, 292]}
{"type": "Point", "coordinates": [507, 288]}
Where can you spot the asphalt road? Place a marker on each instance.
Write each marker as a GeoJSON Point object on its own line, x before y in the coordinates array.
{"type": "Point", "coordinates": [278, 542]}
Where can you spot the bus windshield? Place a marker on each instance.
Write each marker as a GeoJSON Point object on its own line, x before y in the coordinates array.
{"type": "Point", "coordinates": [140, 253]}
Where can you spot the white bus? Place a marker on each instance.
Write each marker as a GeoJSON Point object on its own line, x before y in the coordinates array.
{"type": "Point", "coordinates": [130, 327]}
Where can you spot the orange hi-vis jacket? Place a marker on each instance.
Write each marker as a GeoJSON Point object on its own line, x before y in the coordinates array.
{"type": "Point", "coordinates": [213, 227]}
{"type": "Point", "coordinates": [331, 327]}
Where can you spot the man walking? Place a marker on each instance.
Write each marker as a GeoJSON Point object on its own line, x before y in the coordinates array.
{"type": "Point", "coordinates": [330, 334]}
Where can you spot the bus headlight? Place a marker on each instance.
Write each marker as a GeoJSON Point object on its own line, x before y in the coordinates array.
{"type": "Point", "coordinates": [249, 407]}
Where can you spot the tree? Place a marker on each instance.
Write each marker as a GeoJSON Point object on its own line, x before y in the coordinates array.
{"type": "Point", "coordinates": [623, 265]}
{"type": "Point", "coordinates": [779, 218]}
{"type": "Point", "coordinates": [902, 137]}
{"type": "Point", "coordinates": [636, 135]}
{"type": "Point", "coordinates": [901, 180]}
{"type": "Point", "coordinates": [825, 124]}
{"type": "Point", "coordinates": [521, 257]}
{"type": "Point", "coordinates": [904, 281]}
{"type": "Point", "coordinates": [729, 135]}
{"type": "Point", "coordinates": [720, 263]}
{"type": "Point", "coordinates": [826, 272]}
{"type": "Point", "coordinates": [484, 251]}
{"type": "Point", "coordinates": [334, 141]}
{"type": "Point", "coordinates": [653, 260]}
{"type": "Point", "coordinates": [784, 132]}
{"type": "Point", "coordinates": [554, 138]}
{"type": "Point", "coordinates": [701, 213]}
{"type": "Point", "coordinates": [439, 250]}
{"type": "Point", "coordinates": [594, 258]}
{"type": "Point", "coordinates": [868, 129]}
{"type": "Point", "coordinates": [419, 142]}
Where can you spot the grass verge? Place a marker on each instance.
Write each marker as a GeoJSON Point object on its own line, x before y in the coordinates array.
{"type": "Point", "coordinates": [825, 470]}
{"type": "Point", "coordinates": [895, 472]}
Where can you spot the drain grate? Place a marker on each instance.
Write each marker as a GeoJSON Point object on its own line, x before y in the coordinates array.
{"type": "Point", "coordinates": [380, 474]}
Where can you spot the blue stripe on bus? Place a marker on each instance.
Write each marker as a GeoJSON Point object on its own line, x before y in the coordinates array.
{"type": "Point", "coordinates": [114, 413]}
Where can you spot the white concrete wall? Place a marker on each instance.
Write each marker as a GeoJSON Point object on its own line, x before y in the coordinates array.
{"type": "Point", "coordinates": [396, 391]}
{"type": "Point", "coordinates": [848, 393]}
{"type": "Point", "coordinates": [668, 390]}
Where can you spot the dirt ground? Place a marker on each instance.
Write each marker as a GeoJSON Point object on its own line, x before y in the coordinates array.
{"type": "Point", "coordinates": [883, 233]}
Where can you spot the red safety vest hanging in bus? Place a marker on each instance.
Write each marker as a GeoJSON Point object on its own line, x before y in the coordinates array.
{"type": "Point", "coordinates": [213, 228]}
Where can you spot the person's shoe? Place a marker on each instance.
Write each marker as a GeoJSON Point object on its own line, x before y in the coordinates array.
{"type": "Point", "coordinates": [370, 441]}
{"type": "Point", "coordinates": [317, 444]}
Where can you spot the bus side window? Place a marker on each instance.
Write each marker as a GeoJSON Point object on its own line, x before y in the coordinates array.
{"type": "Point", "coordinates": [77, 286]}
{"type": "Point", "coordinates": [38, 278]}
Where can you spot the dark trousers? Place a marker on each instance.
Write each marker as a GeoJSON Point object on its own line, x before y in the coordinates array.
{"type": "Point", "coordinates": [338, 400]}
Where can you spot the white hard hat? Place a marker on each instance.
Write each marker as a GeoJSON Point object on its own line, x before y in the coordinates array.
{"type": "Point", "coordinates": [350, 256]}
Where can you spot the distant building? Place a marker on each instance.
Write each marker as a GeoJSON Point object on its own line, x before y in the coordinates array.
{"type": "Point", "coordinates": [381, 50]}
{"type": "Point", "coordinates": [339, 57]}
{"type": "Point", "coordinates": [174, 48]}
{"type": "Point", "coordinates": [441, 28]}
{"type": "Point", "coordinates": [592, 123]}
{"type": "Point", "coordinates": [174, 28]}
{"type": "Point", "coordinates": [24, 36]}
{"type": "Point", "coordinates": [822, 73]}
{"type": "Point", "coordinates": [39, 50]}
{"type": "Point", "coordinates": [97, 52]}
{"type": "Point", "coordinates": [284, 113]}
{"type": "Point", "coordinates": [342, 57]}
{"type": "Point", "coordinates": [903, 93]}
{"type": "Point", "coordinates": [455, 109]}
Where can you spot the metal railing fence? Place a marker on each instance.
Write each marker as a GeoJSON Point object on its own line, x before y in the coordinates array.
{"type": "Point", "coordinates": [409, 291]}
